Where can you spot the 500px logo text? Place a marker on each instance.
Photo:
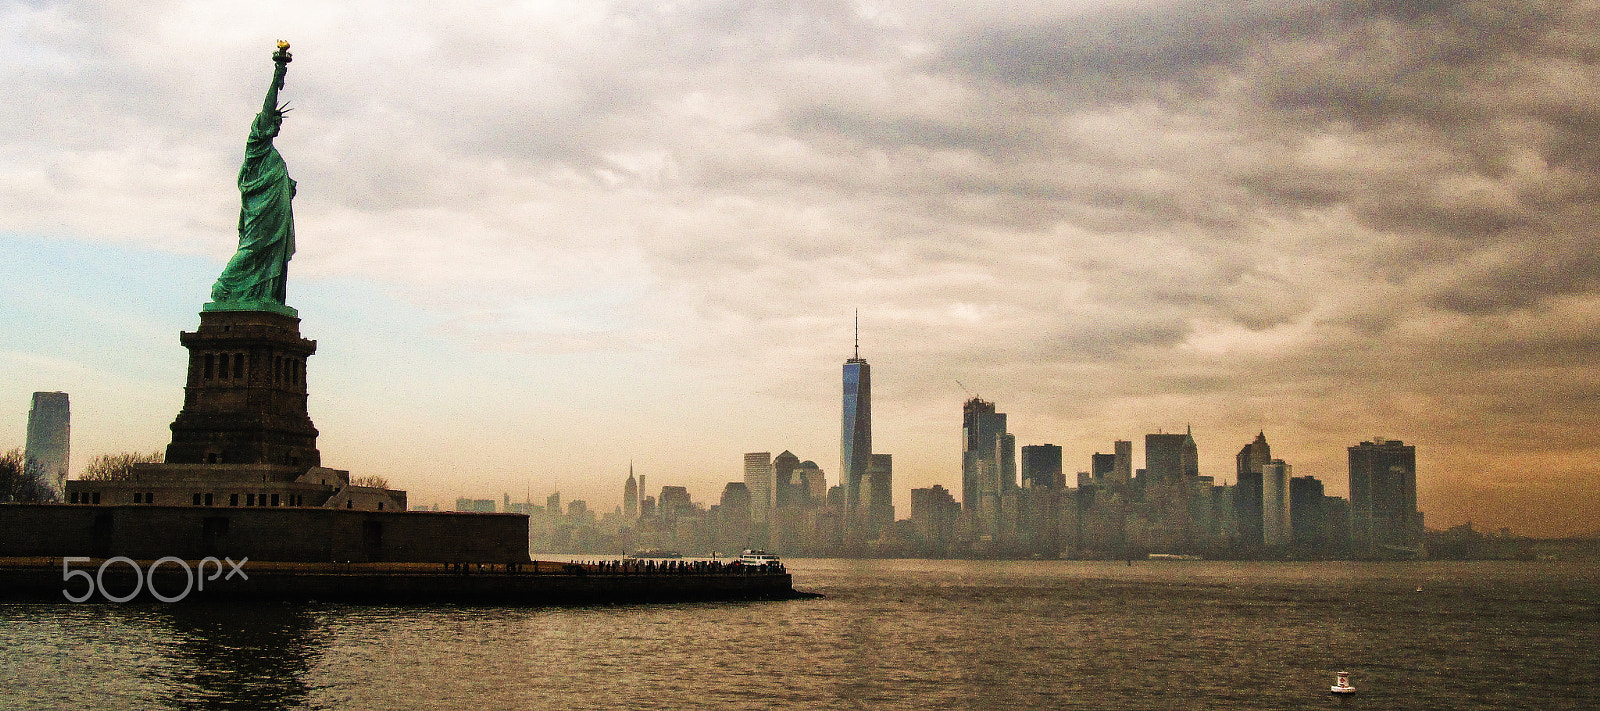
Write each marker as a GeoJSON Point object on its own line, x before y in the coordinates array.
{"type": "Point", "coordinates": [146, 578]}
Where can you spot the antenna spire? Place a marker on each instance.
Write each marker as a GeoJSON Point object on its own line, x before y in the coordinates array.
{"type": "Point", "coordinates": [858, 333]}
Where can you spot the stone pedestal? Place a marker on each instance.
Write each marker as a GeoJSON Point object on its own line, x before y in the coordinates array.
{"type": "Point", "coordinates": [245, 399]}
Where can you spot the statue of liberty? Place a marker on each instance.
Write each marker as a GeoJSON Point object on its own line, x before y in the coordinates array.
{"type": "Point", "coordinates": [257, 276]}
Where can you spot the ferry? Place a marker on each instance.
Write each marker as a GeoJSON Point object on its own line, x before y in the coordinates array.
{"type": "Point", "coordinates": [757, 557]}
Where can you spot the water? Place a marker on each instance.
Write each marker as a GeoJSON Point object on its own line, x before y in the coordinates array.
{"type": "Point", "coordinates": [889, 635]}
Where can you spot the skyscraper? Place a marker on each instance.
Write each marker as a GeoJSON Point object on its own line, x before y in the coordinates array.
{"type": "Point", "coordinates": [736, 505]}
{"type": "Point", "coordinates": [49, 441]}
{"type": "Point", "coordinates": [1275, 522]}
{"type": "Point", "coordinates": [878, 499]}
{"type": "Point", "coordinates": [1172, 475]}
{"type": "Point", "coordinates": [1247, 494]}
{"type": "Point", "coordinates": [1102, 467]}
{"type": "Point", "coordinates": [1123, 449]}
{"type": "Point", "coordinates": [855, 440]}
{"type": "Point", "coordinates": [674, 503]}
{"type": "Point", "coordinates": [1171, 458]}
{"type": "Point", "coordinates": [733, 517]}
{"type": "Point", "coordinates": [814, 481]}
{"type": "Point", "coordinates": [983, 435]}
{"type": "Point", "coordinates": [1254, 455]}
{"type": "Point", "coordinates": [1007, 454]}
{"type": "Point", "coordinates": [1041, 466]}
{"type": "Point", "coordinates": [933, 516]}
{"type": "Point", "coordinates": [630, 496]}
{"type": "Point", "coordinates": [786, 491]}
{"type": "Point", "coordinates": [758, 477]}
{"type": "Point", "coordinates": [1383, 498]}
{"type": "Point", "coordinates": [1307, 526]}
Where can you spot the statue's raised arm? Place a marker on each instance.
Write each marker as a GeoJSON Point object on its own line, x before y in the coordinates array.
{"type": "Point", "coordinates": [280, 60]}
{"type": "Point", "coordinates": [265, 128]}
{"type": "Point", "coordinates": [257, 276]}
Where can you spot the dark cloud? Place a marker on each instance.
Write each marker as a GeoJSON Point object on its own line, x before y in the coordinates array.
{"type": "Point", "coordinates": [1114, 339]}
{"type": "Point", "coordinates": [903, 132]}
{"type": "Point", "coordinates": [1430, 62]}
{"type": "Point", "coordinates": [1519, 275]}
{"type": "Point", "coordinates": [1117, 52]}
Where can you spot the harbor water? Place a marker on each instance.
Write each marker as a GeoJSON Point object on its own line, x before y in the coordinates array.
{"type": "Point", "coordinates": [886, 635]}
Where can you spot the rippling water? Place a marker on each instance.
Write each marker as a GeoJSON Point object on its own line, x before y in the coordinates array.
{"type": "Point", "coordinates": [888, 635]}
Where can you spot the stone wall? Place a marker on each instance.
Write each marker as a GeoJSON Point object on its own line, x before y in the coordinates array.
{"type": "Point", "coordinates": [270, 534]}
{"type": "Point", "coordinates": [43, 580]}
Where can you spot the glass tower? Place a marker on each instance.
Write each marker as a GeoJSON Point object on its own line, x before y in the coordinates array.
{"type": "Point", "coordinates": [855, 443]}
{"type": "Point", "coordinates": [49, 438]}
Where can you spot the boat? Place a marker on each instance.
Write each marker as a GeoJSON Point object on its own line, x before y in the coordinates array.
{"type": "Point", "coordinates": [1342, 686]}
{"type": "Point", "coordinates": [654, 553]}
{"type": "Point", "coordinates": [757, 557]}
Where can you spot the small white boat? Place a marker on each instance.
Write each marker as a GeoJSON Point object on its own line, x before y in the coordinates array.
{"type": "Point", "coordinates": [757, 557]}
{"type": "Point", "coordinates": [1342, 686]}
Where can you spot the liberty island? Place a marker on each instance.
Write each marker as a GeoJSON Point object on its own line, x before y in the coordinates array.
{"type": "Point", "coordinates": [242, 477]}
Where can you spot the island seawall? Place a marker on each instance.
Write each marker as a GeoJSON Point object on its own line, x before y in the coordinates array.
{"type": "Point", "coordinates": [534, 583]}
{"type": "Point", "coordinates": [329, 555]}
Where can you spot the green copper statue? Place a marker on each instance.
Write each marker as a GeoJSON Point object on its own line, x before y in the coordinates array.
{"type": "Point", "coordinates": [257, 276]}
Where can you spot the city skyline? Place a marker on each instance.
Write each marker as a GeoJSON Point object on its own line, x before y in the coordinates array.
{"type": "Point", "coordinates": [1168, 509]}
{"type": "Point", "coordinates": [621, 232]}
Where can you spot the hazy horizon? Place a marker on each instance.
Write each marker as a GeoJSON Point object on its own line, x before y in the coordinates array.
{"type": "Point", "coordinates": [538, 243]}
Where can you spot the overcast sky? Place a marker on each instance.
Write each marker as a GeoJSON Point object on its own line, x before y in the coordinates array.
{"type": "Point", "coordinates": [540, 241]}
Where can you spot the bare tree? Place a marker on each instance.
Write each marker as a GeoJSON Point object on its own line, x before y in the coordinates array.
{"type": "Point", "coordinates": [372, 480]}
{"type": "Point", "coordinates": [17, 480]}
{"type": "Point", "coordinates": [117, 467]}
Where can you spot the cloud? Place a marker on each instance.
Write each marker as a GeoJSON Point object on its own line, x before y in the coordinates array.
{"type": "Point", "coordinates": [1113, 215]}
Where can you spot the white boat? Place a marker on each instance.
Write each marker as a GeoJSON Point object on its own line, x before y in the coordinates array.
{"type": "Point", "coordinates": [1342, 686]}
{"type": "Point", "coordinates": [757, 557]}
